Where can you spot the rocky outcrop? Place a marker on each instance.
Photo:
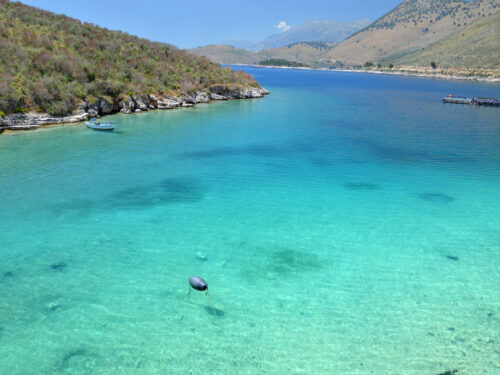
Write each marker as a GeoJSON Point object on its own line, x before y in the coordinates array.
{"type": "Point", "coordinates": [188, 101]}
{"type": "Point", "coordinates": [105, 106]}
{"type": "Point", "coordinates": [202, 97]}
{"type": "Point", "coordinates": [2, 126]}
{"type": "Point", "coordinates": [133, 104]}
{"type": "Point", "coordinates": [33, 120]}
{"type": "Point", "coordinates": [167, 103]}
{"type": "Point", "coordinates": [141, 102]}
{"type": "Point", "coordinates": [214, 96]}
{"type": "Point", "coordinates": [238, 92]}
{"type": "Point", "coordinates": [93, 109]}
{"type": "Point", "coordinates": [127, 106]}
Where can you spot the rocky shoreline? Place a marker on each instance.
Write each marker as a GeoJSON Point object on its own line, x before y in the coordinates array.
{"type": "Point", "coordinates": [133, 104]}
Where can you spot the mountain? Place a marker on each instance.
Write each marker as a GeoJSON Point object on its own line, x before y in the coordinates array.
{"type": "Point", "coordinates": [307, 53]}
{"type": "Point", "coordinates": [312, 31]}
{"type": "Point", "coordinates": [51, 63]}
{"type": "Point", "coordinates": [410, 27]}
{"type": "Point", "coordinates": [475, 46]}
{"type": "Point", "coordinates": [453, 33]}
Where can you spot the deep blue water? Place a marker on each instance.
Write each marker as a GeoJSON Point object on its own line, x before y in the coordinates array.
{"type": "Point", "coordinates": [346, 223]}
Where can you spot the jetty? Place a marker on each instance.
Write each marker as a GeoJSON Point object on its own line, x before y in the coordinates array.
{"type": "Point", "coordinates": [473, 101]}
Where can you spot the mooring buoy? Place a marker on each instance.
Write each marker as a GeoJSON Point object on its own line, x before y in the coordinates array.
{"type": "Point", "coordinates": [198, 283]}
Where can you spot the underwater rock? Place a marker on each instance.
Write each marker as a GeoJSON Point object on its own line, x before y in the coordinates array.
{"type": "Point", "coordinates": [452, 257]}
{"type": "Point", "coordinates": [77, 360]}
{"type": "Point", "coordinates": [449, 372]}
{"type": "Point", "coordinates": [52, 305]}
{"type": "Point", "coordinates": [200, 256]}
{"type": "Point", "coordinates": [362, 186]}
{"type": "Point", "coordinates": [436, 197]}
{"type": "Point", "coordinates": [58, 266]}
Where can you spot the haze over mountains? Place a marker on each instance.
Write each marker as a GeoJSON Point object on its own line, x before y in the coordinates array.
{"type": "Point", "coordinates": [453, 33]}
{"type": "Point", "coordinates": [312, 31]}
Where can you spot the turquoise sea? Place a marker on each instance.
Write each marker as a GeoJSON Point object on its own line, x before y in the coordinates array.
{"type": "Point", "coordinates": [345, 224]}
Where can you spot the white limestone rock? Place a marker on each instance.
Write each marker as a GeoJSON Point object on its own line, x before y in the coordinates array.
{"type": "Point", "coordinates": [33, 120]}
{"type": "Point", "coordinates": [214, 96]}
{"type": "Point", "coordinates": [202, 97]}
{"type": "Point", "coordinates": [127, 106]}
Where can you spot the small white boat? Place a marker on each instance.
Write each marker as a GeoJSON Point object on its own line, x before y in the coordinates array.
{"type": "Point", "coordinates": [93, 124]}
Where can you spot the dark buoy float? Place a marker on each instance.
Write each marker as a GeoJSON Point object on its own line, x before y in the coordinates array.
{"type": "Point", "coordinates": [198, 283]}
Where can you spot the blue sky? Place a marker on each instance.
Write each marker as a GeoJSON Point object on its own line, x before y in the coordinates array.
{"type": "Point", "coordinates": [199, 22]}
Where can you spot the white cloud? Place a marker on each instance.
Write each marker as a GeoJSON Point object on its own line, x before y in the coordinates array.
{"type": "Point", "coordinates": [282, 26]}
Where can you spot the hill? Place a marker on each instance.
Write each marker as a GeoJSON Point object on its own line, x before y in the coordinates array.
{"type": "Point", "coordinates": [411, 26]}
{"type": "Point", "coordinates": [312, 31]}
{"type": "Point", "coordinates": [475, 46]}
{"type": "Point", "coordinates": [225, 54]}
{"type": "Point", "coordinates": [51, 63]}
{"type": "Point", "coordinates": [306, 53]}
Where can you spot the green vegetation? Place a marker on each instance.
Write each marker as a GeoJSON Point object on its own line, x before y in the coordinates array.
{"type": "Point", "coordinates": [282, 62]}
{"type": "Point", "coordinates": [433, 65]}
{"type": "Point", "coordinates": [51, 62]}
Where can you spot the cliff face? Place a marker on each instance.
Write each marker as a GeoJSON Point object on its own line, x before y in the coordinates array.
{"type": "Point", "coordinates": [132, 104]}
{"type": "Point", "coordinates": [55, 64]}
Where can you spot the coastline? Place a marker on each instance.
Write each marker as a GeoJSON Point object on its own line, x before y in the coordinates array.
{"type": "Point", "coordinates": [407, 72]}
{"type": "Point", "coordinates": [134, 104]}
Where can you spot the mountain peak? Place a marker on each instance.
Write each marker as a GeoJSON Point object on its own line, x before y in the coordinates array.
{"type": "Point", "coordinates": [312, 31]}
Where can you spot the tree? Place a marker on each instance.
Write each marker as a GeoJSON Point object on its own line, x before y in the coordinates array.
{"type": "Point", "coordinates": [433, 65]}
{"type": "Point", "coordinates": [391, 66]}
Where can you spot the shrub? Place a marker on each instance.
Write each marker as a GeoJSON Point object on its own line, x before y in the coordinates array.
{"type": "Point", "coordinates": [51, 62]}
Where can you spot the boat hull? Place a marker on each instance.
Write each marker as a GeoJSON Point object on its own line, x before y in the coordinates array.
{"type": "Point", "coordinates": [100, 127]}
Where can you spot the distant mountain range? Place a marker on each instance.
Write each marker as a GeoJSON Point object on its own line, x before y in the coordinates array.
{"type": "Point", "coordinates": [312, 31]}
{"type": "Point", "coordinates": [452, 33]}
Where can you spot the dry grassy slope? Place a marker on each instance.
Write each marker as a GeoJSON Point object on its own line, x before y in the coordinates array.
{"type": "Point", "coordinates": [475, 46]}
{"type": "Point", "coordinates": [412, 25]}
{"type": "Point", "coordinates": [309, 53]}
{"type": "Point", "coordinates": [224, 54]}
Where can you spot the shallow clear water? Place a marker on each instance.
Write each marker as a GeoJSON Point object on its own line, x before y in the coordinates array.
{"type": "Point", "coordinates": [350, 224]}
